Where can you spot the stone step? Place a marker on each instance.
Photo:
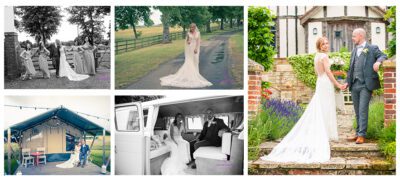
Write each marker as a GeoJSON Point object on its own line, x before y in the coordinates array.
{"type": "Point", "coordinates": [335, 166]}
{"type": "Point", "coordinates": [338, 149]}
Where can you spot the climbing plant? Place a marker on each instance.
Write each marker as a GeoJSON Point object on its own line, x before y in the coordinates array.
{"type": "Point", "coordinates": [260, 37]}
{"type": "Point", "coordinates": [391, 28]}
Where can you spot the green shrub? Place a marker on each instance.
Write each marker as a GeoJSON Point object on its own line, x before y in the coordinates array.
{"type": "Point", "coordinates": [375, 119]}
{"type": "Point", "coordinates": [260, 36]}
{"type": "Point", "coordinates": [391, 28]}
{"type": "Point", "coordinates": [387, 141]}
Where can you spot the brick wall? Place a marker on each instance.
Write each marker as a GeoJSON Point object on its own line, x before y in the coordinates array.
{"type": "Point", "coordinates": [285, 85]}
{"type": "Point", "coordinates": [12, 65]}
{"type": "Point", "coordinates": [255, 71]}
{"type": "Point", "coordinates": [389, 95]}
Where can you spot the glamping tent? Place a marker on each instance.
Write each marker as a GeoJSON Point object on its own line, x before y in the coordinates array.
{"type": "Point", "coordinates": [56, 130]}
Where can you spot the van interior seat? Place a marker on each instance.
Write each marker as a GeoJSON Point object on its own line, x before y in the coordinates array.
{"type": "Point", "coordinates": [216, 153]}
{"type": "Point", "coordinates": [210, 152]}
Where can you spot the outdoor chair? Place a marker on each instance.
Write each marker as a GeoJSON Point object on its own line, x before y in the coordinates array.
{"type": "Point", "coordinates": [42, 156]}
{"type": "Point", "coordinates": [27, 159]}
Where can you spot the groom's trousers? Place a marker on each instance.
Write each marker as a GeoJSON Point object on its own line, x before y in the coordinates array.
{"type": "Point", "coordinates": [361, 97]}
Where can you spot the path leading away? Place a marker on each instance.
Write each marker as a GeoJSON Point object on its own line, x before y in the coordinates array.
{"type": "Point", "coordinates": [347, 158]}
{"type": "Point", "coordinates": [215, 66]}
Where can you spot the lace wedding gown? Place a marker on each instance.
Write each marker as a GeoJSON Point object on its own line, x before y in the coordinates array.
{"type": "Point", "coordinates": [175, 163]}
{"type": "Point", "coordinates": [308, 141]}
{"type": "Point", "coordinates": [188, 76]}
{"type": "Point", "coordinates": [73, 160]}
{"type": "Point", "coordinates": [67, 71]}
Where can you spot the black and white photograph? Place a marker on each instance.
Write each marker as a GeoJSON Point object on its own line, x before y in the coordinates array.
{"type": "Point", "coordinates": [179, 135]}
{"type": "Point", "coordinates": [57, 47]}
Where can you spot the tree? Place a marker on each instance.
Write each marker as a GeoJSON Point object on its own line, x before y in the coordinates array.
{"type": "Point", "coordinates": [260, 37]}
{"type": "Point", "coordinates": [167, 13]}
{"type": "Point", "coordinates": [130, 16]}
{"type": "Point", "coordinates": [41, 22]}
{"type": "Point", "coordinates": [391, 28]}
{"type": "Point", "coordinates": [220, 12]}
{"type": "Point", "coordinates": [191, 14]}
{"type": "Point", "coordinates": [90, 19]}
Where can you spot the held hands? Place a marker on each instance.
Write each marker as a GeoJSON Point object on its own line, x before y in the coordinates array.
{"type": "Point", "coordinates": [343, 86]}
{"type": "Point", "coordinates": [376, 66]}
{"type": "Point", "coordinates": [195, 51]}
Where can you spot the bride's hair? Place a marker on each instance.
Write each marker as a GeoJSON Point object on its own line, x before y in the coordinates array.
{"type": "Point", "coordinates": [319, 43]}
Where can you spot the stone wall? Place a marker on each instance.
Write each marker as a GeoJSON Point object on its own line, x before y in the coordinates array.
{"type": "Point", "coordinates": [254, 86]}
{"type": "Point", "coordinates": [12, 65]}
{"type": "Point", "coordinates": [285, 85]}
{"type": "Point", "coordinates": [389, 90]}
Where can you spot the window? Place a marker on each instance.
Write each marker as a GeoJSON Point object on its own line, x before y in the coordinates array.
{"type": "Point", "coordinates": [70, 142]}
{"type": "Point", "coordinates": [127, 119]}
{"type": "Point", "coordinates": [194, 123]}
{"type": "Point", "coordinates": [225, 118]}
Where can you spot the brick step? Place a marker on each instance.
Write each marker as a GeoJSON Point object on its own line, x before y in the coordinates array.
{"type": "Point", "coordinates": [335, 166]}
{"type": "Point", "coordinates": [347, 149]}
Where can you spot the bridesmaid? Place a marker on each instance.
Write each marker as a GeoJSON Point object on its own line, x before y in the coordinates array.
{"type": "Point", "coordinates": [88, 58]}
{"type": "Point", "coordinates": [43, 57]}
{"type": "Point", "coordinates": [26, 56]}
{"type": "Point", "coordinates": [78, 62]}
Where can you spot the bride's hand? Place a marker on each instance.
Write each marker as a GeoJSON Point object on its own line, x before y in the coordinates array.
{"type": "Point", "coordinates": [195, 51]}
{"type": "Point", "coordinates": [341, 86]}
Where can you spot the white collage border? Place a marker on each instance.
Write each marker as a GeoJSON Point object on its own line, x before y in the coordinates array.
{"type": "Point", "coordinates": [112, 92]}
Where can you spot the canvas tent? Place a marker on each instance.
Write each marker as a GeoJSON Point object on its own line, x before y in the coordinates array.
{"type": "Point", "coordinates": [56, 130]}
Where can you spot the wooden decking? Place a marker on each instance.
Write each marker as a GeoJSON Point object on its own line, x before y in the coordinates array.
{"type": "Point", "coordinates": [51, 169]}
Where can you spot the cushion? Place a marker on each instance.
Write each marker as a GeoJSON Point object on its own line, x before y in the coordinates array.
{"type": "Point", "coordinates": [210, 152]}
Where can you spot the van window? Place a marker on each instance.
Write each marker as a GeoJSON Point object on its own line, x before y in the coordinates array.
{"type": "Point", "coordinates": [194, 123]}
{"type": "Point", "coordinates": [127, 119]}
{"type": "Point", "coordinates": [225, 118]}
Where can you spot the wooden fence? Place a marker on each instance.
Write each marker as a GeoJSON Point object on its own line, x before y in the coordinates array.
{"type": "Point", "coordinates": [134, 44]}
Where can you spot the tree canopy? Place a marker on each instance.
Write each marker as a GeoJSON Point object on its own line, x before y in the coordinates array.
{"type": "Point", "coordinates": [130, 16]}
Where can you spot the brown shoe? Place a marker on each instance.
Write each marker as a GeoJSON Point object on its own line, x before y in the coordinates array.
{"type": "Point", "coordinates": [360, 140]}
{"type": "Point", "coordinates": [352, 138]}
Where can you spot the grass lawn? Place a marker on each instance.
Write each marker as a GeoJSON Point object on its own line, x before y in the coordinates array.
{"type": "Point", "coordinates": [127, 34]}
{"type": "Point", "coordinates": [97, 151]}
{"type": "Point", "coordinates": [236, 48]}
{"type": "Point", "coordinates": [130, 66]}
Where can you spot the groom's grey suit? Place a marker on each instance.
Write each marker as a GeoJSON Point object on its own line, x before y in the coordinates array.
{"type": "Point", "coordinates": [362, 80]}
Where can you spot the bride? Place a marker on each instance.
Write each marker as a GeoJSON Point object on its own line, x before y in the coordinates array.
{"type": "Point", "coordinates": [308, 141]}
{"type": "Point", "coordinates": [175, 164]}
{"type": "Point", "coordinates": [66, 70]}
{"type": "Point", "coordinates": [188, 76]}
{"type": "Point", "coordinates": [73, 159]}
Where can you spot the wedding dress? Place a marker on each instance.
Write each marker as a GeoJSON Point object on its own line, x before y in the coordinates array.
{"type": "Point", "coordinates": [188, 76]}
{"type": "Point", "coordinates": [183, 145]}
{"type": "Point", "coordinates": [308, 141]}
{"type": "Point", "coordinates": [67, 71]}
{"type": "Point", "coordinates": [175, 163]}
{"type": "Point", "coordinates": [73, 160]}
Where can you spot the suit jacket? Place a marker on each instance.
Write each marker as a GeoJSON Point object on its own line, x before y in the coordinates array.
{"type": "Point", "coordinates": [211, 133]}
{"type": "Point", "coordinates": [84, 149]}
{"type": "Point", "coordinates": [54, 52]}
{"type": "Point", "coordinates": [371, 54]}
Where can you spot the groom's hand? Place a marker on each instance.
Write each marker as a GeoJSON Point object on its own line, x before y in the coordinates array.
{"type": "Point", "coordinates": [376, 66]}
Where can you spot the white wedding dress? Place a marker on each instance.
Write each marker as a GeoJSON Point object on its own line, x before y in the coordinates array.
{"type": "Point", "coordinates": [308, 141]}
{"type": "Point", "coordinates": [188, 76]}
{"type": "Point", "coordinates": [66, 70]}
{"type": "Point", "coordinates": [175, 163]}
{"type": "Point", "coordinates": [72, 161]}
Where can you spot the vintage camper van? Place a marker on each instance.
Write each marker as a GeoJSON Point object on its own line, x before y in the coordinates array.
{"type": "Point", "coordinates": [137, 123]}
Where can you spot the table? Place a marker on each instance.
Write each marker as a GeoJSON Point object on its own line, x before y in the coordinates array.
{"type": "Point", "coordinates": [36, 155]}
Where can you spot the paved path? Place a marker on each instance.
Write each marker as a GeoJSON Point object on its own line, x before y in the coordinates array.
{"type": "Point", "coordinates": [214, 65]}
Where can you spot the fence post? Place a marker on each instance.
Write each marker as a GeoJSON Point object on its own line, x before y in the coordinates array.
{"type": "Point", "coordinates": [126, 45]}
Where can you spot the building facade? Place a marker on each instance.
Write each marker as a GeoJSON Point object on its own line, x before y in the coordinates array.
{"type": "Point", "coordinates": [298, 27]}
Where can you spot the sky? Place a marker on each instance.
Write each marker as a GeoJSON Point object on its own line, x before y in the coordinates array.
{"type": "Point", "coordinates": [93, 105]}
{"type": "Point", "coordinates": [155, 16]}
{"type": "Point", "coordinates": [66, 31]}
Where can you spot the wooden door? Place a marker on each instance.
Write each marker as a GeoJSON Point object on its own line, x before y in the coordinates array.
{"type": "Point", "coordinates": [339, 34]}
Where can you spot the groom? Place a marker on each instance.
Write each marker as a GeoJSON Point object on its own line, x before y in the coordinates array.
{"type": "Point", "coordinates": [83, 153]}
{"type": "Point", "coordinates": [55, 55]}
{"type": "Point", "coordinates": [211, 135]}
{"type": "Point", "coordinates": [362, 79]}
